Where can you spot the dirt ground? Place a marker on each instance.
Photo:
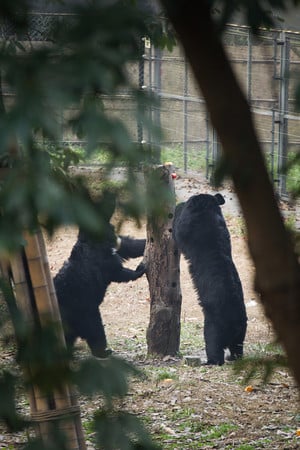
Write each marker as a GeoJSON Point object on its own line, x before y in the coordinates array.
{"type": "Point", "coordinates": [186, 407]}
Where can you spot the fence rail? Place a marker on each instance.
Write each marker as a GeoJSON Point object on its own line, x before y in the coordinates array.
{"type": "Point", "coordinates": [267, 69]}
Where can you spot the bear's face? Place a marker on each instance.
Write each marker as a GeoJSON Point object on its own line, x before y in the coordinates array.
{"type": "Point", "coordinates": [202, 203]}
{"type": "Point", "coordinates": [195, 218]}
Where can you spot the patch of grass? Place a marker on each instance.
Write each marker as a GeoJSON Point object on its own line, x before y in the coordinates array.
{"type": "Point", "coordinates": [88, 426]}
{"type": "Point", "coordinates": [134, 344]}
{"type": "Point", "coordinates": [189, 422]}
{"type": "Point", "coordinates": [182, 413]}
{"type": "Point", "coordinates": [166, 374]}
{"type": "Point", "coordinates": [191, 338]}
{"type": "Point", "coordinates": [101, 156]}
{"type": "Point", "coordinates": [194, 433]}
{"type": "Point", "coordinates": [293, 172]}
{"type": "Point", "coordinates": [262, 364]}
{"type": "Point", "coordinates": [157, 374]}
{"type": "Point", "coordinates": [245, 447]}
{"type": "Point", "coordinates": [196, 157]}
{"type": "Point", "coordinates": [218, 431]}
{"type": "Point", "coordinates": [196, 160]}
{"type": "Point", "coordinates": [265, 349]}
{"type": "Point", "coordinates": [290, 221]}
{"type": "Point", "coordinates": [236, 225]}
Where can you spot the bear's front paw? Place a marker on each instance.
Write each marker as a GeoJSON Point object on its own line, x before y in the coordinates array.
{"type": "Point", "coordinates": [141, 269]}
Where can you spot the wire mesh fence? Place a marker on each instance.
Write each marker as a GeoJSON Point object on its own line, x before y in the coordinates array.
{"type": "Point", "coordinates": [267, 69]}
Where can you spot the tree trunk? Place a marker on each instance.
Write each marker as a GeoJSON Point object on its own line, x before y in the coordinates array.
{"type": "Point", "coordinates": [277, 267]}
{"type": "Point", "coordinates": [163, 273]}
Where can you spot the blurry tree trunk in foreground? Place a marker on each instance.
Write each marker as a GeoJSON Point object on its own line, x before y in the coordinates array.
{"type": "Point", "coordinates": [277, 268]}
{"type": "Point", "coordinates": [163, 273]}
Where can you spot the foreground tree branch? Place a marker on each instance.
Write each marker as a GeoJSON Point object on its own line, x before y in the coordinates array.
{"type": "Point", "coordinates": [277, 267]}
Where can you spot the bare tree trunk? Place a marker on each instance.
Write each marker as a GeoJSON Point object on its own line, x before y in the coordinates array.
{"type": "Point", "coordinates": [163, 273]}
{"type": "Point", "coordinates": [277, 268]}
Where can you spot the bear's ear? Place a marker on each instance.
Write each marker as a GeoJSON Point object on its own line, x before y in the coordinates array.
{"type": "Point", "coordinates": [220, 199]}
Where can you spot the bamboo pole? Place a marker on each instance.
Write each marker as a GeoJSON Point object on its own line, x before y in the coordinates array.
{"type": "Point", "coordinates": [62, 401]}
{"type": "Point", "coordinates": [37, 401]}
{"type": "Point", "coordinates": [36, 298]}
{"type": "Point", "coordinates": [69, 393]}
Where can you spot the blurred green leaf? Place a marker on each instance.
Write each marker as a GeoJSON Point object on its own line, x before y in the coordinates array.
{"type": "Point", "coordinates": [125, 432]}
{"type": "Point", "coordinates": [48, 359]}
{"type": "Point", "coordinates": [108, 376]}
{"type": "Point", "coordinates": [8, 412]}
{"type": "Point", "coordinates": [256, 13]}
{"type": "Point", "coordinates": [264, 366]}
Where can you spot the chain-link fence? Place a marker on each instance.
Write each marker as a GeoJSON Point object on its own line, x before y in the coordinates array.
{"type": "Point", "coordinates": [267, 69]}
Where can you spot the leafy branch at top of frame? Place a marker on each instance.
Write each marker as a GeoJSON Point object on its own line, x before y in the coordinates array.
{"type": "Point", "coordinates": [257, 14]}
{"type": "Point", "coordinates": [87, 58]}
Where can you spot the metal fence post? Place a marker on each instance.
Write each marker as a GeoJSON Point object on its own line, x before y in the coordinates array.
{"type": "Point", "coordinates": [215, 151]}
{"type": "Point", "coordinates": [249, 67]}
{"type": "Point", "coordinates": [272, 150]}
{"type": "Point", "coordinates": [157, 91]}
{"type": "Point", "coordinates": [207, 123]}
{"type": "Point", "coordinates": [283, 110]}
{"type": "Point", "coordinates": [185, 121]}
{"type": "Point", "coordinates": [141, 83]}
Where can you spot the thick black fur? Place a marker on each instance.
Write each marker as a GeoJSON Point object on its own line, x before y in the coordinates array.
{"type": "Point", "coordinates": [200, 231]}
{"type": "Point", "coordinates": [82, 282]}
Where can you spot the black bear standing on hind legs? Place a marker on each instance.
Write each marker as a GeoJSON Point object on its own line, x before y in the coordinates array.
{"type": "Point", "coordinates": [82, 281]}
{"type": "Point", "coordinates": [200, 231]}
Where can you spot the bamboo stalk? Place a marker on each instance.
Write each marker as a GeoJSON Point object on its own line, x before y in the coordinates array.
{"type": "Point", "coordinates": [35, 296]}
{"type": "Point", "coordinates": [6, 268]}
{"type": "Point", "coordinates": [36, 299]}
{"type": "Point", "coordinates": [52, 293]}
{"type": "Point", "coordinates": [47, 307]}
{"type": "Point", "coordinates": [37, 401]}
{"type": "Point", "coordinates": [72, 395]}
{"type": "Point", "coordinates": [72, 398]}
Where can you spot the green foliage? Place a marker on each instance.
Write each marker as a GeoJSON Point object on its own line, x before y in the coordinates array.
{"type": "Point", "coordinates": [195, 157]}
{"type": "Point", "coordinates": [207, 435]}
{"type": "Point", "coordinates": [164, 374]}
{"type": "Point", "coordinates": [51, 367]}
{"type": "Point", "coordinates": [62, 157]}
{"type": "Point", "coordinates": [103, 376]}
{"type": "Point", "coordinates": [126, 432]}
{"type": "Point", "coordinates": [36, 193]}
{"type": "Point", "coordinates": [8, 412]}
{"type": "Point", "coordinates": [86, 57]}
{"type": "Point", "coordinates": [256, 13]}
{"type": "Point", "coordinates": [259, 366]}
{"type": "Point", "coordinates": [246, 447]}
{"type": "Point", "coordinates": [292, 170]}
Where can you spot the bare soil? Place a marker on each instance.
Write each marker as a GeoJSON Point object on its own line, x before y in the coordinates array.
{"type": "Point", "coordinates": [186, 407]}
